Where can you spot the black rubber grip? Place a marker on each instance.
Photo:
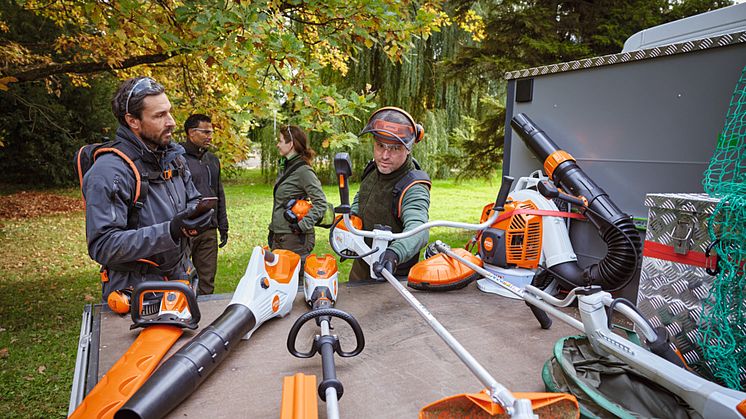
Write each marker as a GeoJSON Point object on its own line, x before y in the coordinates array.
{"type": "Point", "coordinates": [502, 195]}
{"type": "Point", "coordinates": [662, 348]}
{"type": "Point", "coordinates": [544, 321]}
{"type": "Point", "coordinates": [329, 312]}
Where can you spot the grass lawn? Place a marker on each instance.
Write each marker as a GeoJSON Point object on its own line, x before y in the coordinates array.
{"type": "Point", "coordinates": [46, 278]}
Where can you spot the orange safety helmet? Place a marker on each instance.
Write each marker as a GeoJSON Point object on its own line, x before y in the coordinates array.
{"type": "Point", "coordinates": [394, 126]}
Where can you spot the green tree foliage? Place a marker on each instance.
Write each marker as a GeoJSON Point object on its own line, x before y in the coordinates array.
{"type": "Point", "coordinates": [522, 34]}
{"type": "Point", "coordinates": [241, 62]}
{"type": "Point", "coordinates": [42, 124]}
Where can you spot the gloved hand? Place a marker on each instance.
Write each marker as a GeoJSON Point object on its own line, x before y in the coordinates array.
{"type": "Point", "coordinates": [182, 225]}
{"type": "Point", "coordinates": [223, 238]}
{"type": "Point", "coordinates": [388, 261]}
{"type": "Point", "coordinates": [295, 228]}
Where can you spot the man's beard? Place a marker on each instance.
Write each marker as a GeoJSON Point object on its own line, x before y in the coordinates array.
{"type": "Point", "coordinates": [156, 141]}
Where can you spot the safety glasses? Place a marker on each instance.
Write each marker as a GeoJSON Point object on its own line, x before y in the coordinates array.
{"type": "Point", "coordinates": [395, 148]}
{"type": "Point", "coordinates": [204, 130]}
{"type": "Point", "coordinates": [145, 83]}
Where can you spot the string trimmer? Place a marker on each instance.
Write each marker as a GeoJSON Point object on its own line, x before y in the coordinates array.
{"type": "Point", "coordinates": [320, 288]}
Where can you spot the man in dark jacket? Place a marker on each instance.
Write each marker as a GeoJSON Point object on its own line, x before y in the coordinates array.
{"type": "Point", "coordinates": [136, 240]}
{"type": "Point", "coordinates": [205, 169]}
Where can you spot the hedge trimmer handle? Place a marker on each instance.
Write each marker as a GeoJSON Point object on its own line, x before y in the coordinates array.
{"type": "Point", "coordinates": [177, 300]}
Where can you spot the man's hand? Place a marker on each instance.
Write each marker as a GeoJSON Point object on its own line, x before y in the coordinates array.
{"type": "Point", "coordinates": [182, 225]}
{"type": "Point", "coordinates": [388, 261]}
{"type": "Point", "coordinates": [295, 228]}
{"type": "Point", "coordinates": [223, 238]}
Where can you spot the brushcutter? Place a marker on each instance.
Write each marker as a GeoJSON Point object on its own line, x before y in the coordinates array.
{"type": "Point", "coordinates": [177, 310]}
{"type": "Point", "coordinates": [266, 290]}
{"type": "Point", "coordinates": [530, 203]}
{"type": "Point", "coordinates": [349, 242]}
{"type": "Point", "coordinates": [320, 276]}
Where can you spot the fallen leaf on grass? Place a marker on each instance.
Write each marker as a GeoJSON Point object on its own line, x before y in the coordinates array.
{"type": "Point", "coordinates": [4, 353]}
{"type": "Point", "coordinates": [41, 369]}
{"type": "Point", "coordinates": [88, 297]}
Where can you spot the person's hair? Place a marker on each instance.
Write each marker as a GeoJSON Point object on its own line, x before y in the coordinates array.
{"type": "Point", "coordinates": [119, 105]}
{"type": "Point", "coordinates": [300, 141]}
{"type": "Point", "coordinates": [194, 120]}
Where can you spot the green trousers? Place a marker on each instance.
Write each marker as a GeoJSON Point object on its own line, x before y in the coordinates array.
{"type": "Point", "coordinates": [301, 244]}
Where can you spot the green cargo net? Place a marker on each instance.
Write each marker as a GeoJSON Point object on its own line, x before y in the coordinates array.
{"type": "Point", "coordinates": [727, 171]}
{"type": "Point", "coordinates": [723, 321]}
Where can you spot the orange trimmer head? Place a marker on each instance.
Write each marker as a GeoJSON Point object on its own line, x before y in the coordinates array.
{"type": "Point", "coordinates": [479, 405]}
{"type": "Point", "coordinates": [441, 272]}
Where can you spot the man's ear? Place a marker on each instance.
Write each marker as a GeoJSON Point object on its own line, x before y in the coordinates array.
{"type": "Point", "coordinates": [134, 123]}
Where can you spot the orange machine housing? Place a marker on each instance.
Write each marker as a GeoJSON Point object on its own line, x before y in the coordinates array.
{"type": "Point", "coordinates": [523, 233]}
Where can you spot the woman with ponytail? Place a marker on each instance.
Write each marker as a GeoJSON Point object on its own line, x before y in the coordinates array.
{"type": "Point", "coordinates": [290, 228]}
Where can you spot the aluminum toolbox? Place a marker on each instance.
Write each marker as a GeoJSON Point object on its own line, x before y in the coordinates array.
{"type": "Point", "coordinates": [674, 281]}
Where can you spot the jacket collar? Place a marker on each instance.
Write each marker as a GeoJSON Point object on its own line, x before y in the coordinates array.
{"type": "Point", "coordinates": [193, 150]}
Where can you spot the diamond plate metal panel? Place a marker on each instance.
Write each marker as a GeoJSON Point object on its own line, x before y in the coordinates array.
{"type": "Point", "coordinates": [671, 294]}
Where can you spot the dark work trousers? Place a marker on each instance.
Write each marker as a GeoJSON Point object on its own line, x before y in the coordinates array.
{"type": "Point", "coordinates": [205, 258]}
{"type": "Point", "coordinates": [295, 243]}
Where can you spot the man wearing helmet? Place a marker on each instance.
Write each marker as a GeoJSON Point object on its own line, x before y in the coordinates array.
{"type": "Point", "coordinates": [393, 191]}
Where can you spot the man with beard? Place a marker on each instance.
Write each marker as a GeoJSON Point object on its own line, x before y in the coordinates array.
{"type": "Point", "coordinates": [141, 203]}
{"type": "Point", "coordinates": [393, 192]}
{"type": "Point", "coordinates": [205, 169]}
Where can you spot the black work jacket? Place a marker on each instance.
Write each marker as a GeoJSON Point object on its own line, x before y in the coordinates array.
{"type": "Point", "coordinates": [205, 168]}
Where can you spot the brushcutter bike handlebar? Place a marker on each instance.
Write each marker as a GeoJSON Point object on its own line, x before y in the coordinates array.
{"type": "Point", "coordinates": [175, 306]}
{"type": "Point", "coordinates": [319, 340]}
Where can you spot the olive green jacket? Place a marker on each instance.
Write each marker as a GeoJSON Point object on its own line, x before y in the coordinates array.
{"type": "Point", "coordinates": [302, 183]}
{"type": "Point", "coordinates": [415, 208]}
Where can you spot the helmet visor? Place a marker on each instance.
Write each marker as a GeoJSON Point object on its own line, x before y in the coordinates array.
{"type": "Point", "coordinates": [391, 126]}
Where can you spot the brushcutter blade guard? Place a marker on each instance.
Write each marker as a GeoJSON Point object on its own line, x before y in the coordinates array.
{"type": "Point", "coordinates": [479, 405]}
{"type": "Point", "coordinates": [441, 272]}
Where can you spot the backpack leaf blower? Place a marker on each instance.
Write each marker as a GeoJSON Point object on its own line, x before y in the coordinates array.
{"type": "Point", "coordinates": [530, 238]}
{"type": "Point", "coordinates": [178, 310]}
{"type": "Point", "coordinates": [267, 290]}
{"type": "Point", "coordinates": [320, 276]}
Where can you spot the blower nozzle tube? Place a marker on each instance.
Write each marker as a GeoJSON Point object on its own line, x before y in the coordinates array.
{"type": "Point", "coordinates": [614, 226]}
{"type": "Point", "coordinates": [181, 374]}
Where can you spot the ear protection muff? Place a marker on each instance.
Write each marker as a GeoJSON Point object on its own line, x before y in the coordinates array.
{"type": "Point", "coordinates": [419, 131]}
{"type": "Point", "coordinates": [119, 301]}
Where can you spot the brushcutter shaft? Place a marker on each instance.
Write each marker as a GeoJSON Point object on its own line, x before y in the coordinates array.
{"type": "Point", "coordinates": [498, 392]}
{"type": "Point", "coordinates": [526, 296]}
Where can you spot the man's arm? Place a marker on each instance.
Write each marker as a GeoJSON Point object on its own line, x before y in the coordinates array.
{"type": "Point", "coordinates": [108, 189]}
{"type": "Point", "coordinates": [415, 208]}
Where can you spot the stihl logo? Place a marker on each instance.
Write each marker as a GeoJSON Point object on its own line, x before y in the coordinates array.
{"type": "Point", "coordinates": [488, 244]}
{"type": "Point", "coordinates": [275, 303]}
